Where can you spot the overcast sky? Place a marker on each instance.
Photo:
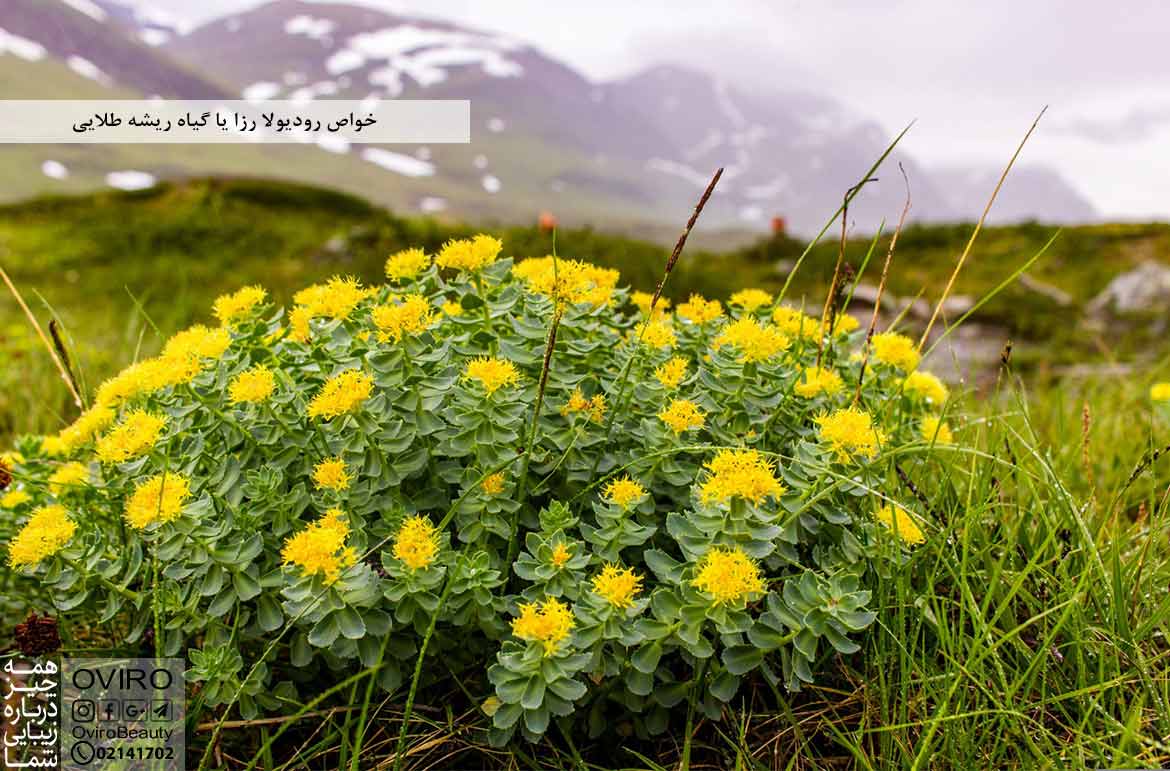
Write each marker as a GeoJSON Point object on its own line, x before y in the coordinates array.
{"type": "Point", "coordinates": [973, 74]}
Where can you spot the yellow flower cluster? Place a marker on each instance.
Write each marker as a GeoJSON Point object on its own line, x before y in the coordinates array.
{"type": "Point", "coordinates": [642, 301]}
{"type": "Point", "coordinates": [683, 415]}
{"type": "Point", "coordinates": [624, 491]}
{"type": "Point", "coordinates": [335, 299]}
{"type": "Point", "coordinates": [14, 498]}
{"type": "Point", "coordinates": [560, 556]}
{"type": "Point", "coordinates": [728, 575]}
{"type": "Point", "coordinates": [617, 586]}
{"type": "Point", "coordinates": [68, 477]}
{"type": "Point", "coordinates": [88, 425]}
{"type": "Point", "coordinates": [417, 543]}
{"type": "Point", "coordinates": [794, 323]}
{"type": "Point", "coordinates": [320, 548]}
{"type": "Point", "coordinates": [896, 350]}
{"type": "Point", "coordinates": [925, 386]}
{"type": "Point", "coordinates": [740, 473]}
{"type": "Point", "coordinates": [182, 359]}
{"type": "Point", "coordinates": [898, 520]}
{"type": "Point", "coordinates": [46, 533]}
{"type": "Point", "coordinates": [850, 432]}
{"type": "Point", "coordinates": [569, 281]}
{"type": "Point", "coordinates": [469, 254]}
{"type": "Point", "coordinates": [343, 393]}
{"type": "Point", "coordinates": [751, 299]}
{"type": "Point", "coordinates": [548, 623]}
{"type": "Point", "coordinates": [407, 263]}
{"type": "Point", "coordinates": [135, 435]}
{"type": "Point", "coordinates": [252, 386]}
{"type": "Point", "coordinates": [158, 499]}
{"type": "Point", "coordinates": [819, 380]}
{"type": "Point", "coordinates": [331, 474]}
{"type": "Point", "coordinates": [756, 341]}
{"type": "Point", "coordinates": [594, 405]}
{"type": "Point", "coordinates": [231, 307]}
{"type": "Point", "coordinates": [411, 315]}
{"type": "Point", "coordinates": [936, 431]}
{"type": "Point", "coordinates": [656, 333]}
{"type": "Point", "coordinates": [672, 372]}
{"type": "Point", "coordinates": [492, 373]}
{"type": "Point", "coordinates": [493, 484]}
{"type": "Point", "coordinates": [699, 310]}
{"type": "Point", "coordinates": [1160, 392]}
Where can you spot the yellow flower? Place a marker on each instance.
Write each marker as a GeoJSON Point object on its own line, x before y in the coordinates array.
{"type": "Point", "coordinates": [682, 415]}
{"type": "Point", "coordinates": [46, 533]}
{"type": "Point", "coordinates": [14, 498]}
{"type": "Point", "coordinates": [794, 323]}
{"type": "Point", "coordinates": [624, 492]}
{"type": "Point", "coordinates": [407, 263]}
{"type": "Point", "coordinates": [672, 372]}
{"type": "Point", "coordinates": [850, 433]}
{"type": "Point", "coordinates": [896, 350]}
{"type": "Point", "coordinates": [756, 341]}
{"type": "Point", "coordinates": [569, 281]}
{"type": "Point", "coordinates": [87, 425]}
{"type": "Point", "coordinates": [252, 386]}
{"type": "Point", "coordinates": [548, 623]}
{"type": "Point", "coordinates": [158, 499]}
{"type": "Point", "coordinates": [342, 393]}
{"type": "Point", "coordinates": [1160, 392]}
{"type": "Point", "coordinates": [54, 446]}
{"type": "Point", "coordinates": [654, 334]}
{"type": "Point", "coordinates": [331, 474]}
{"type": "Point", "coordinates": [198, 342]}
{"type": "Point", "coordinates": [320, 547]}
{"type": "Point", "coordinates": [134, 436]}
{"type": "Point", "coordinates": [926, 386]}
{"type": "Point", "coordinates": [934, 430]}
{"type": "Point", "coordinates": [493, 484]}
{"type": "Point", "coordinates": [492, 373]}
{"type": "Point", "coordinates": [335, 299]}
{"type": "Point", "coordinates": [417, 543]}
{"type": "Point", "coordinates": [141, 378]}
{"type": "Point", "coordinates": [844, 324]}
{"type": "Point", "coordinates": [743, 473]}
{"type": "Point", "coordinates": [452, 308]}
{"type": "Point", "coordinates": [560, 556]}
{"type": "Point", "coordinates": [698, 310]}
{"type": "Point", "coordinates": [819, 380]}
{"type": "Point", "coordinates": [11, 458]}
{"type": "Point", "coordinates": [751, 299]}
{"type": "Point", "coordinates": [899, 521]}
{"type": "Point", "coordinates": [299, 328]}
{"type": "Point", "coordinates": [409, 317]}
{"type": "Point", "coordinates": [469, 254]}
{"type": "Point", "coordinates": [595, 405]}
{"type": "Point", "coordinates": [642, 301]}
{"type": "Point", "coordinates": [229, 307]}
{"type": "Point", "coordinates": [68, 477]}
{"type": "Point", "coordinates": [728, 575]}
{"type": "Point", "coordinates": [617, 586]}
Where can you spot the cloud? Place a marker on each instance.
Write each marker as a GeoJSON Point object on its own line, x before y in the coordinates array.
{"type": "Point", "coordinates": [1137, 125]}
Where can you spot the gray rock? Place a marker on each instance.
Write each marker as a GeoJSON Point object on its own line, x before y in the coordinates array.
{"type": "Point", "coordinates": [1145, 288]}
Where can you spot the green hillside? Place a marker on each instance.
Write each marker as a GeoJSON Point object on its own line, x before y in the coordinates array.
{"type": "Point", "coordinates": [121, 270]}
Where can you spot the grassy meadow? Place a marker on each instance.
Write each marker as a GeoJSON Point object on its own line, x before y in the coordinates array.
{"type": "Point", "coordinates": [1029, 629]}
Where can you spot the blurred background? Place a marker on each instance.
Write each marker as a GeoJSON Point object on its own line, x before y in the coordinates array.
{"type": "Point", "coordinates": [602, 122]}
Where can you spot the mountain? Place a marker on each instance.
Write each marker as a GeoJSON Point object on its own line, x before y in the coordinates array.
{"type": "Point", "coordinates": [544, 137]}
{"type": "Point", "coordinates": [1029, 193]}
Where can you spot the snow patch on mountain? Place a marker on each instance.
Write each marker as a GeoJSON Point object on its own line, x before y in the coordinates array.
{"type": "Point", "coordinates": [316, 29]}
{"type": "Point", "coordinates": [131, 180]}
{"type": "Point", "coordinates": [21, 47]}
{"type": "Point", "coordinates": [88, 7]}
{"type": "Point", "coordinates": [398, 163]}
{"type": "Point", "coordinates": [87, 69]}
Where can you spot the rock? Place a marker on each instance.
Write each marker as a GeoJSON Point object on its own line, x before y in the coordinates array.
{"type": "Point", "coordinates": [1145, 288]}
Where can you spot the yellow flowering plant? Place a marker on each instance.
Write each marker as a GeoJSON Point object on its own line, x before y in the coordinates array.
{"type": "Point", "coordinates": [517, 465]}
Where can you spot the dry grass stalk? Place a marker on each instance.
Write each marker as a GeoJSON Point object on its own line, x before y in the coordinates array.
{"type": "Point", "coordinates": [978, 227]}
{"type": "Point", "coordinates": [65, 375]}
